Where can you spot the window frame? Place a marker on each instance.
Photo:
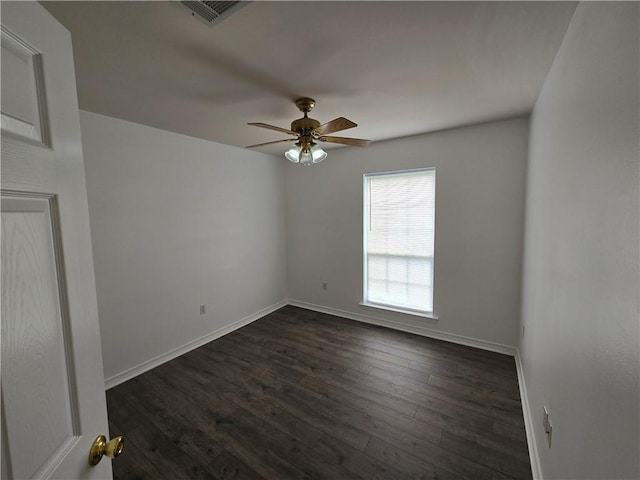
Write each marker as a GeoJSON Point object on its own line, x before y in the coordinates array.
{"type": "Point", "coordinates": [366, 212]}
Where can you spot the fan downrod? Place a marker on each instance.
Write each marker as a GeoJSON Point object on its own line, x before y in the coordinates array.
{"type": "Point", "coordinates": [305, 104]}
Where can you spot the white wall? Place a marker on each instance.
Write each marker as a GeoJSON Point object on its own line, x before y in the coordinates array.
{"type": "Point", "coordinates": [580, 290]}
{"type": "Point", "coordinates": [480, 178]}
{"type": "Point", "coordinates": [177, 222]}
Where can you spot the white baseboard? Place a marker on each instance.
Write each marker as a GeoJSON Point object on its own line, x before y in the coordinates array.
{"type": "Point", "coordinates": [132, 372]}
{"type": "Point", "coordinates": [382, 322]}
{"type": "Point", "coordinates": [396, 325]}
{"type": "Point", "coordinates": [536, 468]}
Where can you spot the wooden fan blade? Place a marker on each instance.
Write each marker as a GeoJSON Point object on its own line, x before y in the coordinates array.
{"type": "Point", "coordinates": [290, 140]}
{"type": "Point", "coordinates": [354, 142]}
{"type": "Point", "coordinates": [272, 127]}
{"type": "Point", "coordinates": [335, 125]}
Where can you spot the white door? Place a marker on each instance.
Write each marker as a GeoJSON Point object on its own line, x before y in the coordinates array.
{"type": "Point", "coordinates": [53, 396]}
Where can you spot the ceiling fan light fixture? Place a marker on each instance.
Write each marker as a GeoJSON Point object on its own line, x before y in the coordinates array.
{"type": "Point", "coordinates": [309, 130]}
{"type": "Point", "coordinates": [293, 154]}
{"type": "Point", "coordinates": [317, 154]}
{"type": "Point", "coordinates": [306, 158]}
{"type": "Point", "coordinates": [306, 154]}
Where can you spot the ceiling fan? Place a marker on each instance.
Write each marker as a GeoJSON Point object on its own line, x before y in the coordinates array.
{"type": "Point", "coordinates": [308, 131]}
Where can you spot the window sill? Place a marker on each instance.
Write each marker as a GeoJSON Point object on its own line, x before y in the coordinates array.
{"type": "Point", "coordinates": [407, 311]}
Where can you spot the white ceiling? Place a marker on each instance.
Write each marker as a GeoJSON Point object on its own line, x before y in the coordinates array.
{"type": "Point", "coordinates": [395, 68]}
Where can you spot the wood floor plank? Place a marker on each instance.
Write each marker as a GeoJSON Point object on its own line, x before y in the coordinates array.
{"type": "Point", "coordinates": [331, 378]}
{"type": "Point", "coordinates": [160, 451]}
{"type": "Point", "coordinates": [360, 397]}
{"type": "Point", "coordinates": [356, 461]}
{"type": "Point", "coordinates": [486, 456]}
{"type": "Point", "coordinates": [227, 467]}
{"type": "Point", "coordinates": [298, 401]}
{"type": "Point", "coordinates": [329, 345]}
{"type": "Point", "coordinates": [301, 394]}
{"type": "Point", "coordinates": [371, 417]}
{"type": "Point", "coordinates": [475, 433]}
{"type": "Point", "coordinates": [481, 393]}
{"type": "Point", "coordinates": [133, 464]}
{"type": "Point", "coordinates": [510, 432]}
{"type": "Point", "coordinates": [426, 394]}
{"type": "Point", "coordinates": [252, 431]}
{"type": "Point", "coordinates": [406, 462]}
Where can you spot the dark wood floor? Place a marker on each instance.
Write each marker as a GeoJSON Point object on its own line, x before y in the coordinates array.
{"type": "Point", "coordinates": [300, 394]}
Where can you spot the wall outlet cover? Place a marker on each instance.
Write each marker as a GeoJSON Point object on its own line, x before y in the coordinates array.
{"type": "Point", "coordinates": [546, 423]}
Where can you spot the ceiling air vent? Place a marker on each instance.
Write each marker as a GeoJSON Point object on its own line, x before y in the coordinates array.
{"type": "Point", "coordinates": [213, 12]}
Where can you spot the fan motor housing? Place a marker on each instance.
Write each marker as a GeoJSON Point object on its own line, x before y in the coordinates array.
{"type": "Point", "coordinates": [304, 125]}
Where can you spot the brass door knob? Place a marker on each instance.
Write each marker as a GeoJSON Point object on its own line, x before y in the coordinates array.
{"type": "Point", "coordinates": [101, 447]}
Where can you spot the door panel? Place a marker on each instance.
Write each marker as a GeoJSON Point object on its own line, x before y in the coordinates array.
{"type": "Point", "coordinates": [24, 107]}
{"type": "Point", "coordinates": [53, 398]}
{"type": "Point", "coordinates": [39, 394]}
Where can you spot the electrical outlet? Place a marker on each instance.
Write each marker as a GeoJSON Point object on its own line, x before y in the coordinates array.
{"type": "Point", "coordinates": [324, 285]}
{"type": "Point", "coordinates": [203, 309]}
{"type": "Point", "coordinates": [546, 423]}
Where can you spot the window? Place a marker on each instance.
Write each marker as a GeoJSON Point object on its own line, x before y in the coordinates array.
{"type": "Point", "coordinates": [399, 227]}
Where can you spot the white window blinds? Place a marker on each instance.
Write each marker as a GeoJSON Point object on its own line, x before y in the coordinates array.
{"type": "Point", "coordinates": [399, 239]}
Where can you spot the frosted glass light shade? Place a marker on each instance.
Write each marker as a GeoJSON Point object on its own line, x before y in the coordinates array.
{"type": "Point", "coordinates": [293, 154]}
{"type": "Point", "coordinates": [306, 158]}
{"type": "Point", "coordinates": [318, 154]}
